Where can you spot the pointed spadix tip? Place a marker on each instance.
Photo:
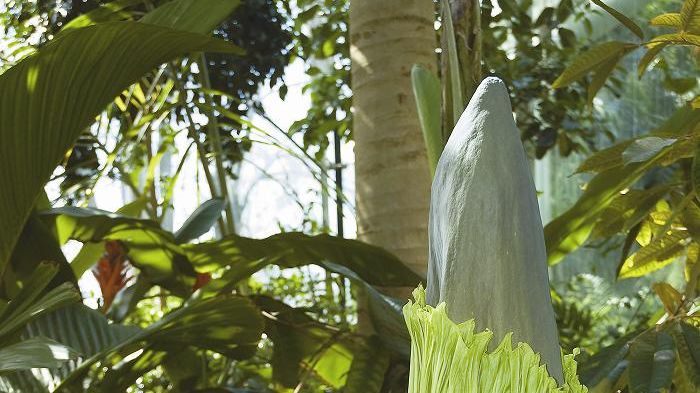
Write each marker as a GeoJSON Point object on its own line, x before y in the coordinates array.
{"type": "Point", "coordinates": [492, 93]}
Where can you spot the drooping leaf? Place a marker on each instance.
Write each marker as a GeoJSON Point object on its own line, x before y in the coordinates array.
{"type": "Point", "coordinates": [369, 364]}
{"type": "Point", "coordinates": [652, 359]}
{"type": "Point", "coordinates": [659, 253]}
{"type": "Point", "coordinates": [627, 22]}
{"type": "Point", "coordinates": [690, 15]}
{"type": "Point", "coordinates": [200, 221]}
{"type": "Point", "coordinates": [300, 343]}
{"type": "Point", "coordinates": [600, 76]}
{"type": "Point", "coordinates": [110, 12]}
{"type": "Point", "coordinates": [670, 297]}
{"type": "Point", "coordinates": [687, 341]}
{"type": "Point", "coordinates": [590, 60]}
{"type": "Point", "coordinates": [68, 82]}
{"type": "Point", "coordinates": [292, 249]}
{"type": "Point", "coordinates": [36, 352]}
{"type": "Point", "coordinates": [571, 229]}
{"type": "Point", "coordinates": [427, 93]}
{"type": "Point", "coordinates": [653, 50]}
{"type": "Point", "coordinates": [200, 16]}
{"type": "Point", "coordinates": [667, 20]}
{"type": "Point", "coordinates": [222, 324]}
{"type": "Point", "coordinates": [608, 363]}
{"type": "Point", "coordinates": [644, 149]}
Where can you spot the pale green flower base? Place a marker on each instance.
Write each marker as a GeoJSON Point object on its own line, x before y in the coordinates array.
{"type": "Point", "coordinates": [452, 358]}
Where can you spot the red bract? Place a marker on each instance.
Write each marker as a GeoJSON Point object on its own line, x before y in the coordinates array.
{"type": "Point", "coordinates": [111, 272]}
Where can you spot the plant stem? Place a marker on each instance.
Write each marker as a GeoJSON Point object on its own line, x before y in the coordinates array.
{"type": "Point", "coordinates": [215, 140]}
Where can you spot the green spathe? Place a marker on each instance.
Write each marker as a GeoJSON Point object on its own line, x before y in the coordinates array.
{"type": "Point", "coordinates": [452, 358]}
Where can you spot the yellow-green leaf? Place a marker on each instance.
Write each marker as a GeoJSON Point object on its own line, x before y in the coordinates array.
{"type": "Point", "coordinates": [659, 253]}
{"type": "Point", "coordinates": [590, 60]}
{"type": "Point", "coordinates": [667, 20]}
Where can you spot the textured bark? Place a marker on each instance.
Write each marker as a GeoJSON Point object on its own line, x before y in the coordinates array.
{"type": "Point", "coordinates": [392, 177]}
{"type": "Point", "coordinates": [487, 251]}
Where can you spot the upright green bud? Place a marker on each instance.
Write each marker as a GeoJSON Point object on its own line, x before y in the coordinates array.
{"type": "Point", "coordinates": [487, 254]}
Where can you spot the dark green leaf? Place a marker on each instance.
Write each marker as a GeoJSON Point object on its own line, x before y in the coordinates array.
{"type": "Point", "coordinates": [36, 352]}
{"type": "Point", "coordinates": [369, 365]}
{"type": "Point", "coordinates": [49, 98]}
{"type": "Point", "coordinates": [652, 358]}
{"type": "Point", "coordinates": [201, 220]}
{"type": "Point", "coordinates": [200, 16]}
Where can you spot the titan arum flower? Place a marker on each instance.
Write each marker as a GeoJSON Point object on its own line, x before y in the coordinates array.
{"type": "Point", "coordinates": [487, 267]}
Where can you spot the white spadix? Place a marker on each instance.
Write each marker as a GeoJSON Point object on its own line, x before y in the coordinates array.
{"type": "Point", "coordinates": [487, 254]}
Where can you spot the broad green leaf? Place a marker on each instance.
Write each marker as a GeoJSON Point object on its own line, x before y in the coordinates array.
{"type": "Point", "coordinates": [36, 352]}
{"type": "Point", "coordinates": [222, 324]}
{"type": "Point", "coordinates": [36, 244]}
{"type": "Point", "coordinates": [61, 89]}
{"type": "Point", "coordinates": [652, 358]}
{"type": "Point", "coordinates": [608, 363]}
{"type": "Point", "coordinates": [119, 379]}
{"type": "Point", "coordinates": [200, 221]}
{"type": "Point", "coordinates": [301, 343]}
{"type": "Point", "coordinates": [644, 149]}
{"type": "Point", "coordinates": [200, 16]}
{"type": "Point", "coordinates": [90, 253]}
{"type": "Point", "coordinates": [369, 364]}
{"type": "Point", "coordinates": [32, 300]}
{"type": "Point", "coordinates": [293, 249]}
{"type": "Point", "coordinates": [571, 229]}
{"type": "Point", "coordinates": [667, 20]}
{"type": "Point", "coordinates": [690, 15]}
{"type": "Point", "coordinates": [605, 159]}
{"type": "Point", "coordinates": [428, 95]}
{"type": "Point", "coordinates": [590, 60]}
{"type": "Point", "coordinates": [110, 12]}
{"type": "Point", "coordinates": [627, 22]}
{"type": "Point", "coordinates": [687, 340]}
{"type": "Point", "coordinates": [659, 253]}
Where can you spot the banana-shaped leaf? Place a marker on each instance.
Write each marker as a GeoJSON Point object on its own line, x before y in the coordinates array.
{"type": "Point", "coordinates": [49, 98]}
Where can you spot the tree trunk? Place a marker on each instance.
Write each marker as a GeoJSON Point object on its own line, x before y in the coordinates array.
{"type": "Point", "coordinates": [392, 176]}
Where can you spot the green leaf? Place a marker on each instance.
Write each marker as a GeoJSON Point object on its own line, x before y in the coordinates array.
{"type": "Point", "coordinates": [428, 95]}
{"type": "Point", "coordinates": [668, 20]}
{"type": "Point", "coordinates": [293, 249]}
{"type": "Point", "coordinates": [49, 98]}
{"type": "Point", "coordinates": [200, 16]}
{"type": "Point", "coordinates": [37, 352]}
{"type": "Point", "coordinates": [369, 365]}
{"type": "Point", "coordinates": [600, 76]}
{"type": "Point", "coordinates": [690, 15]}
{"type": "Point", "coordinates": [222, 324]}
{"type": "Point", "coordinates": [657, 254]}
{"type": "Point", "coordinates": [110, 12]}
{"type": "Point", "coordinates": [457, 103]}
{"type": "Point", "coordinates": [627, 210]}
{"type": "Point", "coordinates": [605, 159]}
{"type": "Point", "coordinates": [301, 343]}
{"type": "Point", "coordinates": [200, 221]}
{"type": "Point", "coordinates": [652, 358]}
{"type": "Point", "coordinates": [695, 171]}
{"type": "Point", "coordinates": [644, 149]}
{"type": "Point", "coordinates": [653, 50]}
{"type": "Point", "coordinates": [608, 363]}
{"type": "Point", "coordinates": [633, 27]}
{"type": "Point", "coordinates": [571, 229]}
{"type": "Point", "coordinates": [687, 340]}
{"type": "Point", "coordinates": [590, 60]}
{"type": "Point", "coordinates": [32, 300]}
{"type": "Point", "coordinates": [677, 38]}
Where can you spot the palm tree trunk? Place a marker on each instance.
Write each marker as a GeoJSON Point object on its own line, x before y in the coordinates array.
{"type": "Point", "coordinates": [392, 177]}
